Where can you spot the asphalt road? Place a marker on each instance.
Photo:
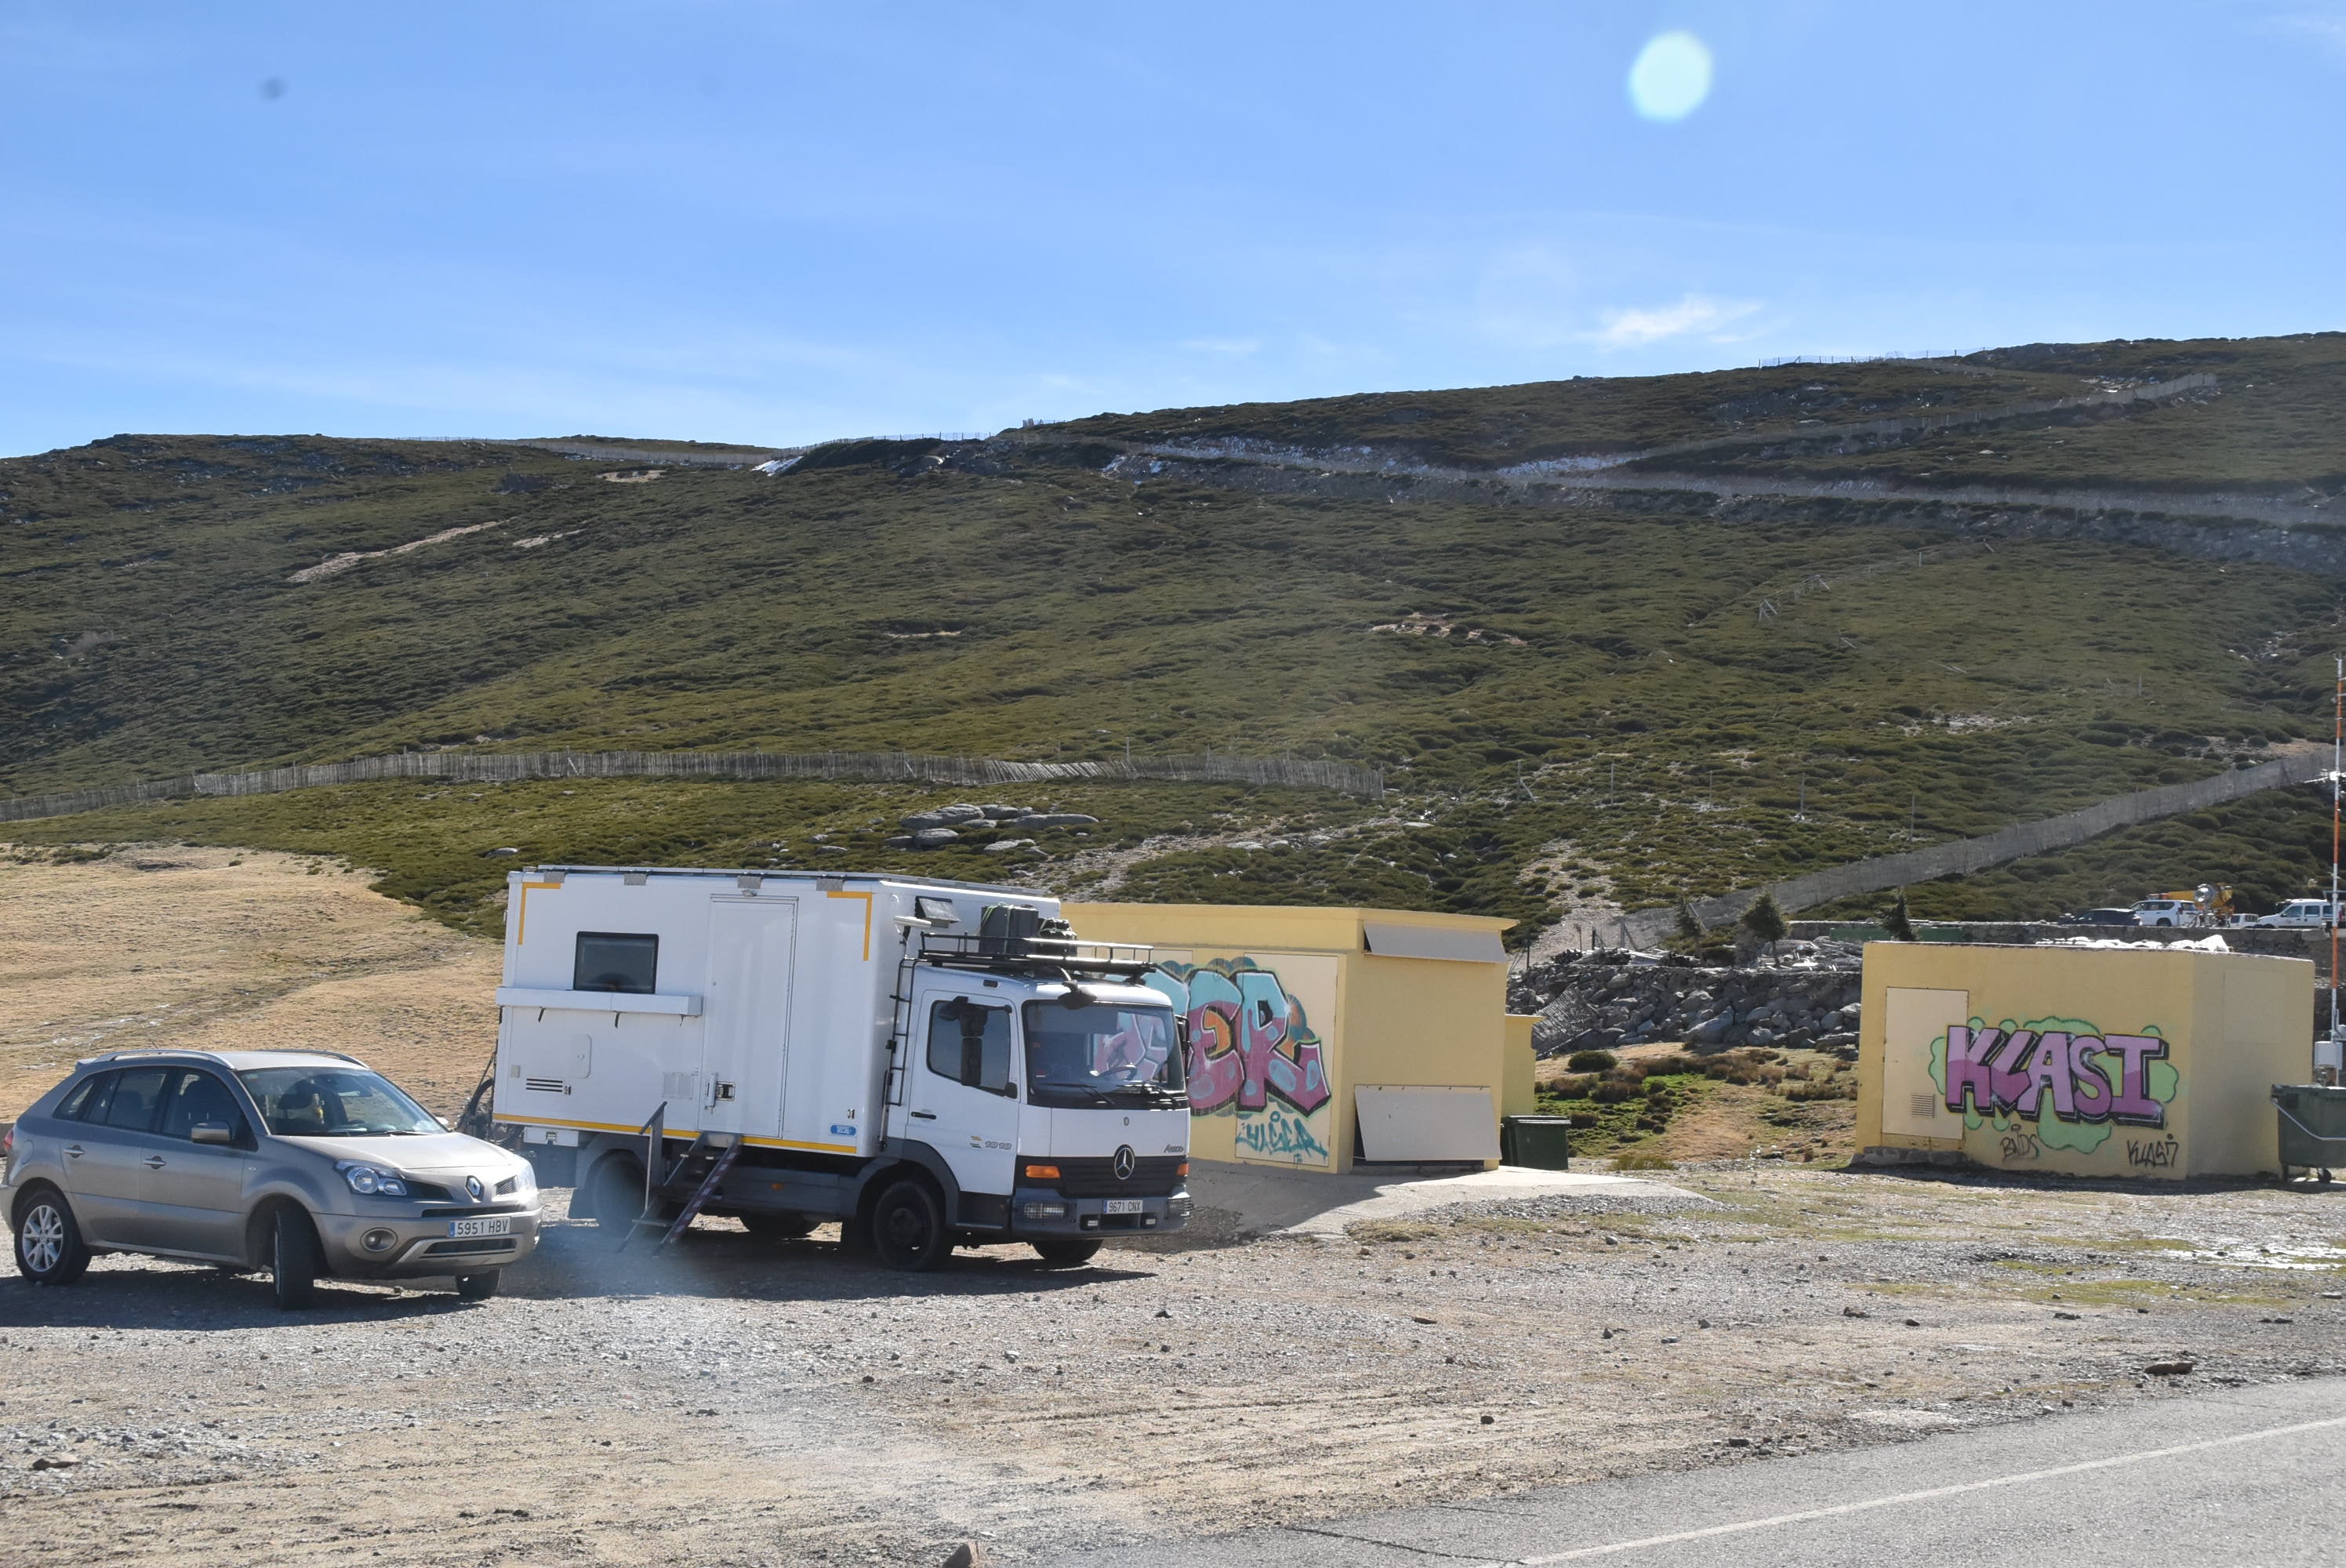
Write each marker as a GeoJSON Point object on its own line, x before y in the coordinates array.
{"type": "Point", "coordinates": [2248, 1475]}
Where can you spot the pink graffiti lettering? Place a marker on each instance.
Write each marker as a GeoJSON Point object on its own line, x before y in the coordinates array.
{"type": "Point", "coordinates": [2132, 1103]}
{"type": "Point", "coordinates": [2015, 1072]}
{"type": "Point", "coordinates": [1968, 1051]}
{"type": "Point", "coordinates": [1248, 1042]}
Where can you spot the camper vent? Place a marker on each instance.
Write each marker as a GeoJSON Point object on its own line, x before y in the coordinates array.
{"type": "Point", "coordinates": [1922, 1105]}
{"type": "Point", "coordinates": [546, 1085]}
{"type": "Point", "coordinates": [680, 1088]}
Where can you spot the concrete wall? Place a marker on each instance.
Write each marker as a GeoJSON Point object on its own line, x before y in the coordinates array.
{"type": "Point", "coordinates": [2081, 1061]}
{"type": "Point", "coordinates": [1520, 1097]}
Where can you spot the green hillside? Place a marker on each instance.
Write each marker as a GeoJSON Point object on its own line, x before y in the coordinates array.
{"type": "Point", "coordinates": [1585, 705]}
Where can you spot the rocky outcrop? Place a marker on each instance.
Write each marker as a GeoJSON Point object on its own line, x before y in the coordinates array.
{"type": "Point", "coordinates": [1595, 1001]}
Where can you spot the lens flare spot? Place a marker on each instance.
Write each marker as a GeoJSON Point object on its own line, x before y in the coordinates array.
{"type": "Point", "coordinates": [1670, 78]}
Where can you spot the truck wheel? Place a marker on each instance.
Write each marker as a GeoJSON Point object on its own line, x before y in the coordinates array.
{"type": "Point", "coordinates": [1066, 1254]}
{"type": "Point", "coordinates": [49, 1247]}
{"type": "Point", "coordinates": [774, 1226]}
{"type": "Point", "coordinates": [618, 1197]}
{"type": "Point", "coordinates": [479, 1286]}
{"type": "Point", "coordinates": [908, 1227]}
{"type": "Point", "coordinates": [293, 1259]}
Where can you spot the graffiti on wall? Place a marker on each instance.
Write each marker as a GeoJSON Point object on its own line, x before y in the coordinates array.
{"type": "Point", "coordinates": [2074, 1081]}
{"type": "Point", "coordinates": [1252, 1056]}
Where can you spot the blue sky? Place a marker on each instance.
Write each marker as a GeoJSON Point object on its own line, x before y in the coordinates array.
{"type": "Point", "coordinates": [777, 223]}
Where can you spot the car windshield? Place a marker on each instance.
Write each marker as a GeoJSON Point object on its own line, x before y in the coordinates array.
{"type": "Point", "coordinates": [334, 1103]}
{"type": "Point", "coordinates": [1102, 1053]}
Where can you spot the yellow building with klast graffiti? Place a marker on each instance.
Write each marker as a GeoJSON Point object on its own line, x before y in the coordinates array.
{"type": "Point", "coordinates": [1320, 1037]}
{"type": "Point", "coordinates": [2108, 1062]}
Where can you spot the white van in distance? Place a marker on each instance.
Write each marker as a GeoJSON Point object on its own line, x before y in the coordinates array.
{"type": "Point", "coordinates": [2302, 913]}
{"type": "Point", "coordinates": [932, 1064]}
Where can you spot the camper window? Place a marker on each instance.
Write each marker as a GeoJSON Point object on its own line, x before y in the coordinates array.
{"type": "Point", "coordinates": [969, 1043]}
{"type": "Point", "coordinates": [611, 961]}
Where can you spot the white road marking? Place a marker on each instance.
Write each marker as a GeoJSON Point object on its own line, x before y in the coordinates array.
{"type": "Point", "coordinates": [2023, 1478]}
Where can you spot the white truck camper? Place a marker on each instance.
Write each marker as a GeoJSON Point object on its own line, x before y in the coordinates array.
{"type": "Point", "coordinates": [932, 1064]}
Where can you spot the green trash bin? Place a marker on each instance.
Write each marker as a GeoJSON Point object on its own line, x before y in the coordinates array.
{"type": "Point", "coordinates": [1542, 1143]}
{"type": "Point", "coordinates": [2313, 1126]}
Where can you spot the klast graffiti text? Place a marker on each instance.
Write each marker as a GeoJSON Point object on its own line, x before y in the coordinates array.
{"type": "Point", "coordinates": [2014, 1071]}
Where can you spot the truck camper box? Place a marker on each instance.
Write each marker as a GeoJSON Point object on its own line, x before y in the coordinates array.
{"type": "Point", "coordinates": [849, 1047]}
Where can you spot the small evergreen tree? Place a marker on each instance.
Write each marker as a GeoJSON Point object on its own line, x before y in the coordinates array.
{"type": "Point", "coordinates": [1689, 934]}
{"type": "Point", "coordinates": [1896, 921]}
{"type": "Point", "coordinates": [1765, 921]}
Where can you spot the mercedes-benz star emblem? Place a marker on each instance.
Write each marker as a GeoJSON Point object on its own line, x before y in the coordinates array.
{"type": "Point", "coordinates": [1123, 1163]}
{"type": "Point", "coordinates": [473, 1184]}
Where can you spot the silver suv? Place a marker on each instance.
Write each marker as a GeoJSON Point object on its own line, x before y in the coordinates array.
{"type": "Point", "coordinates": [302, 1163]}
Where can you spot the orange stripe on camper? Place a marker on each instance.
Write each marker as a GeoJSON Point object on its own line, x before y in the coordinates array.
{"type": "Point", "coordinates": [521, 916]}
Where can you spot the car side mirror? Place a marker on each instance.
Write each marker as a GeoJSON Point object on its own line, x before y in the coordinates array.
{"type": "Point", "coordinates": [445, 1125]}
{"type": "Point", "coordinates": [212, 1133]}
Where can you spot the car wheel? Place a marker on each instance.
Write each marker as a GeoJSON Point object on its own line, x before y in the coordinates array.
{"type": "Point", "coordinates": [908, 1227]}
{"type": "Point", "coordinates": [479, 1286]}
{"type": "Point", "coordinates": [772, 1226]}
{"type": "Point", "coordinates": [49, 1247]}
{"type": "Point", "coordinates": [1066, 1254]}
{"type": "Point", "coordinates": [2166, 922]}
{"type": "Point", "coordinates": [293, 1263]}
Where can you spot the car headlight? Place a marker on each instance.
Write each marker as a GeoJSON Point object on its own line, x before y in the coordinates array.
{"type": "Point", "coordinates": [526, 1178]}
{"type": "Point", "coordinates": [371, 1181]}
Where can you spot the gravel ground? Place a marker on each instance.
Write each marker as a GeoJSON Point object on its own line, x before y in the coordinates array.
{"type": "Point", "coordinates": [739, 1401]}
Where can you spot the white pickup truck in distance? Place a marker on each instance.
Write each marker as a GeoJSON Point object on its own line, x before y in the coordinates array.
{"type": "Point", "coordinates": [2302, 913]}
{"type": "Point", "coordinates": [932, 1064]}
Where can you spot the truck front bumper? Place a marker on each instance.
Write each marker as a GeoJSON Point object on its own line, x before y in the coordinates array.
{"type": "Point", "coordinates": [1039, 1211]}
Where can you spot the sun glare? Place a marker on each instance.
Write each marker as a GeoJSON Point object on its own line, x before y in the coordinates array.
{"type": "Point", "coordinates": [1671, 77]}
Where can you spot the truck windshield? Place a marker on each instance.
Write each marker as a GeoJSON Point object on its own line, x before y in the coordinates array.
{"type": "Point", "coordinates": [334, 1103]}
{"type": "Point", "coordinates": [1102, 1054]}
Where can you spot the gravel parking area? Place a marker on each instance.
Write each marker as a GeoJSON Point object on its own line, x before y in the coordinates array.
{"type": "Point", "coordinates": [741, 1402]}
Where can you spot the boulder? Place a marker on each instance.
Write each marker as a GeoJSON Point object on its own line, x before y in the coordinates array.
{"type": "Point", "coordinates": [898, 841]}
{"type": "Point", "coordinates": [920, 820]}
{"type": "Point", "coordinates": [1056, 820]}
{"type": "Point", "coordinates": [935, 838]}
{"type": "Point", "coordinates": [961, 811]}
{"type": "Point", "coordinates": [1007, 846]}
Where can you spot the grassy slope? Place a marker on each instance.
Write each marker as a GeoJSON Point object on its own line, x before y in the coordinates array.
{"type": "Point", "coordinates": [1650, 730]}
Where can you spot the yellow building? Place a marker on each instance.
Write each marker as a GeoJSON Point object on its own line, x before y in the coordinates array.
{"type": "Point", "coordinates": [1322, 1036]}
{"type": "Point", "coordinates": [2112, 1062]}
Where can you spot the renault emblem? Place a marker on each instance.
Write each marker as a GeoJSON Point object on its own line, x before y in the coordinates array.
{"type": "Point", "coordinates": [1125, 1163]}
{"type": "Point", "coordinates": [473, 1184]}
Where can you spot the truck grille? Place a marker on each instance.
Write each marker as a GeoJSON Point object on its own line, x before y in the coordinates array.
{"type": "Point", "coordinates": [1153, 1176]}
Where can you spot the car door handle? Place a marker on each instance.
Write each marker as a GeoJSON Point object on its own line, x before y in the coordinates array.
{"type": "Point", "coordinates": [73, 1151]}
{"type": "Point", "coordinates": [154, 1161]}
{"type": "Point", "coordinates": [924, 1116]}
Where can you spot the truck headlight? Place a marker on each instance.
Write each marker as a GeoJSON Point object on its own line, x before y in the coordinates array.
{"type": "Point", "coordinates": [371, 1181]}
{"type": "Point", "coordinates": [1041, 1211]}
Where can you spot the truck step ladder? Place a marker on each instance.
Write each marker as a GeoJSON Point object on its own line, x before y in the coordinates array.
{"type": "Point", "coordinates": [702, 1167]}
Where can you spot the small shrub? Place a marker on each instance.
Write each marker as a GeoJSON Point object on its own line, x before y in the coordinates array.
{"type": "Point", "coordinates": [1643, 1159]}
{"type": "Point", "coordinates": [1592, 1061]}
{"type": "Point", "coordinates": [1611, 1093]}
{"type": "Point", "coordinates": [1657, 1090]}
{"type": "Point", "coordinates": [1584, 1119]}
{"type": "Point", "coordinates": [1830, 1089]}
